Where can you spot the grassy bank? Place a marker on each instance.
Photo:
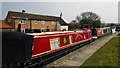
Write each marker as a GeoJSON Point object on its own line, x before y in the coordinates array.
{"type": "Point", "coordinates": [106, 55]}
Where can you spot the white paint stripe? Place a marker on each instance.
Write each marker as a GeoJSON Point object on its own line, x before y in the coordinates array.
{"type": "Point", "coordinates": [54, 32]}
{"type": "Point", "coordinates": [54, 35]}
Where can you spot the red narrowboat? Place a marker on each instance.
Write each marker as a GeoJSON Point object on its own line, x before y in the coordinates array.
{"type": "Point", "coordinates": [53, 41]}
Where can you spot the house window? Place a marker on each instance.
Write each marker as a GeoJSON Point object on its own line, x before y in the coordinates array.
{"type": "Point", "coordinates": [23, 21]}
{"type": "Point", "coordinates": [43, 22]}
{"type": "Point", "coordinates": [35, 21]}
{"type": "Point", "coordinates": [53, 22]}
{"type": "Point", "coordinates": [9, 20]}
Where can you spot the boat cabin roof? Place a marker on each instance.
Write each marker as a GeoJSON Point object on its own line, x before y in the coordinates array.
{"type": "Point", "coordinates": [57, 32]}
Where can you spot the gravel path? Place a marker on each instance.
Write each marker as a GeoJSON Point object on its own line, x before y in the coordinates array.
{"type": "Point", "coordinates": [77, 57]}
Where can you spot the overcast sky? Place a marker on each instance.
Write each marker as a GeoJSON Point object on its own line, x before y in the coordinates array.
{"type": "Point", "coordinates": [108, 11]}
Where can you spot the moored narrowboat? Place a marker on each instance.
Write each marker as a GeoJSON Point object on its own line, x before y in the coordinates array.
{"type": "Point", "coordinates": [52, 41]}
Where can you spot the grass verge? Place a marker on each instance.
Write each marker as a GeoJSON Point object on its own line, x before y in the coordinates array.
{"type": "Point", "coordinates": [108, 55]}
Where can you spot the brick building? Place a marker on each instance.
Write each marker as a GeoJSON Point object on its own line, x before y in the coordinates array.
{"type": "Point", "coordinates": [34, 22]}
{"type": "Point", "coordinates": [4, 26]}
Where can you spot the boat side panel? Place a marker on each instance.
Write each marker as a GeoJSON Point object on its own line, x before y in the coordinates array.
{"type": "Point", "coordinates": [42, 45]}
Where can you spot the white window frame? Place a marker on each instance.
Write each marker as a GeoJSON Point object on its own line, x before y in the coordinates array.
{"type": "Point", "coordinates": [54, 43]}
{"type": "Point", "coordinates": [21, 21]}
{"type": "Point", "coordinates": [71, 39]}
{"type": "Point", "coordinates": [43, 22]}
{"type": "Point", "coordinates": [9, 20]}
{"type": "Point", "coordinates": [36, 21]}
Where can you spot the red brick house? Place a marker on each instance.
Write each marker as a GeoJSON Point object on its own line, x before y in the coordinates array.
{"type": "Point", "coordinates": [4, 26]}
{"type": "Point", "coordinates": [27, 21]}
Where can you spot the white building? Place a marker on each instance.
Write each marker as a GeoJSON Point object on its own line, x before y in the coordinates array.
{"type": "Point", "coordinates": [61, 24]}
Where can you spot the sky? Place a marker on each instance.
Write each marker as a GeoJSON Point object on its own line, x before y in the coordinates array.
{"type": "Point", "coordinates": [59, 0]}
{"type": "Point", "coordinates": [107, 10]}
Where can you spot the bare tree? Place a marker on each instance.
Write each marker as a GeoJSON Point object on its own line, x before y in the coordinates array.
{"type": "Point", "coordinates": [73, 25]}
{"type": "Point", "coordinates": [89, 19]}
{"type": "Point", "coordinates": [73, 21]}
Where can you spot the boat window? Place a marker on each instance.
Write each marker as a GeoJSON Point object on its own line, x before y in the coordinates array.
{"type": "Point", "coordinates": [64, 38]}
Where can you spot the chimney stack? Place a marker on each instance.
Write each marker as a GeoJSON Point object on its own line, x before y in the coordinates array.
{"type": "Point", "coordinates": [23, 11]}
{"type": "Point", "coordinates": [61, 15]}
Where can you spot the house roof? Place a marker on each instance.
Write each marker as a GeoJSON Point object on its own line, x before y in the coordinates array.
{"type": "Point", "coordinates": [61, 21]}
{"type": "Point", "coordinates": [5, 25]}
{"type": "Point", "coordinates": [30, 16]}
